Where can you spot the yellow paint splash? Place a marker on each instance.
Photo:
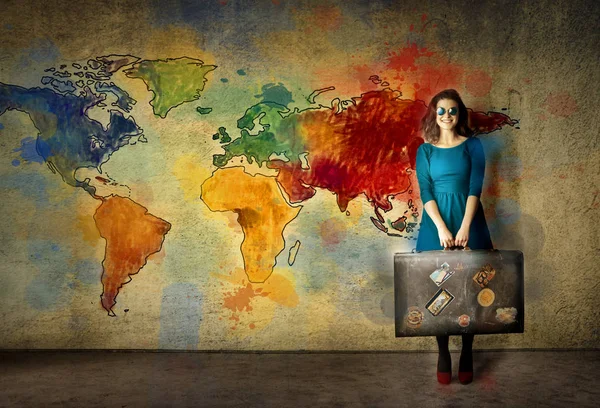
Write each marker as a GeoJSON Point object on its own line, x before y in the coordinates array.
{"type": "Point", "coordinates": [190, 175]}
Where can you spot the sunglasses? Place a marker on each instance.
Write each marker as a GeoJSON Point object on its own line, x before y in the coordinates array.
{"type": "Point", "coordinates": [452, 111]}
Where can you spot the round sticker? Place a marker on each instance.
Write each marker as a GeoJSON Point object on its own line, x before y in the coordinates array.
{"type": "Point", "coordinates": [464, 320]}
{"type": "Point", "coordinates": [414, 318]}
{"type": "Point", "coordinates": [486, 297]}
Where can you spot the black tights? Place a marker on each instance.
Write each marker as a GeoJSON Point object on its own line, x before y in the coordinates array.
{"type": "Point", "coordinates": [466, 357]}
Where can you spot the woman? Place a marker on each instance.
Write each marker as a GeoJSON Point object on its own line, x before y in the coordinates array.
{"type": "Point", "coordinates": [450, 169]}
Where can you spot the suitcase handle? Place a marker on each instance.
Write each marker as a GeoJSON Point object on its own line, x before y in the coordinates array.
{"type": "Point", "coordinates": [465, 248]}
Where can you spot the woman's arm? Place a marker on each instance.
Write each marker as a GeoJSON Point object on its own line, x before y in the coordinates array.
{"type": "Point", "coordinates": [472, 204]}
{"type": "Point", "coordinates": [475, 186]}
{"type": "Point", "coordinates": [434, 213]}
{"type": "Point", "coordinates": [429, 203]}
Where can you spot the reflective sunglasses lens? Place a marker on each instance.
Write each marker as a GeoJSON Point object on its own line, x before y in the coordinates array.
{"type": "Point", "coordinates": [452, 111]}
{"type": "Point", "coordinates": [441, 111]}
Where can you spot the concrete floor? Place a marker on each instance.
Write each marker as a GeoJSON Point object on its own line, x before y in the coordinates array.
{"type": "Point", "coordinates": [136, 379]}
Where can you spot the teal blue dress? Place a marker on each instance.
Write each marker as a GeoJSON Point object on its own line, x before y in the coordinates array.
{"type": "Point", "coordinates": [449, 176]}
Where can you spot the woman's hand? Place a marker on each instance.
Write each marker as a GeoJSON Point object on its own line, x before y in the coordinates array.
{"type": "Point", "coordinates": [446, 239]}
{"type": "Point", "coordinates": [462, 237]}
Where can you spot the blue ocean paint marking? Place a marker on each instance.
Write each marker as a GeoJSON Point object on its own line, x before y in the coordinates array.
{"type": "Point", "coordinates": [224, 80]}
{"type": "Point", "coordinates": [1, 126]}
{"type": "Point", "coordinates": [88, 271]}
{"type": "Point", "coordinates": [33, 186]}
{"type": "Point", "coordinates": [49, 289]}
{"type": "Point", "coordinates": [29, 151]}
{"type": "Point", "coordinates": [241, 72]}
{"type": "Point", "coordinates": [42, 52]}
{"type": "Point", "coordinates": [16, 162]}
{"type": "Point", "coordinates": [43, 149]}
{"type": "Point", "coordinates": [180, 317]}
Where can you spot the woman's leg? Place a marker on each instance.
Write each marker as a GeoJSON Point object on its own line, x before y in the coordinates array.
{"type": "Point", "coordinates": [444, 366]}
{"type": "Point", "coordinates": [465, 364]}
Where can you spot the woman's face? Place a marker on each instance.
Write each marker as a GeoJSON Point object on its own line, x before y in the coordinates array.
{"type": "Point", "coordinates": [447, 114]}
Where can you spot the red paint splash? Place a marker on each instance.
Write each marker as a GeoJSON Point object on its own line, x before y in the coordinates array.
{"type": "Point", "coordinates": [561, 104]}
{"type": "Point", "coordinates": [488, 122]}
{"type": "Point", "coordinates": [367, 148]}
{"type": "Point", "coordinates": [332, 232]}
{"type": "Point", "coordinates": [404, 59]}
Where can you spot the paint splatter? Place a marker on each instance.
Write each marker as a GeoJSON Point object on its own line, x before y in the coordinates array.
{"type": "Point", "coordinates": [405, 58]}
{"type": "Point", "coordinates": [332, 231]}
{"type": "Point", "coordinates": [240, 299]}
{"type": "Point", "coordinates": [243, 299]}
{"type": "Point", "coordinates": [132, 235]}
{"type": "Point", "coordinates": [561, 104]}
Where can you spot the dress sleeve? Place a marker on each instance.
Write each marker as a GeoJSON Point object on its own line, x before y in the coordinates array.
{"type": "Point", "coordinates": [423, 175]}
{"type": "Point", "coordinates": [477, 167]}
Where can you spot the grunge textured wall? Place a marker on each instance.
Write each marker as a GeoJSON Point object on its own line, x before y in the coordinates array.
{"type": "Point", "coordinates": [238, 174]}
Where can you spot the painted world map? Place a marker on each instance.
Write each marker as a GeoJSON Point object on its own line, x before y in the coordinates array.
{"type": "Point", "coordinates": [279, 153]}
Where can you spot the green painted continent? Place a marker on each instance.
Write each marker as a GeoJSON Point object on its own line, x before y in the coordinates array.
{"type": "Point", "coordinates": [173, 81]}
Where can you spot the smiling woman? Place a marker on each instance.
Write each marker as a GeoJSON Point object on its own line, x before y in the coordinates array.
{"type": "Point", "coordinates": [450, 171]}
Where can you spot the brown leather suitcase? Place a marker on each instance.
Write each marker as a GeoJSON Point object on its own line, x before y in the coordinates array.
{"type": "Point", "coordinates": [459, 291]}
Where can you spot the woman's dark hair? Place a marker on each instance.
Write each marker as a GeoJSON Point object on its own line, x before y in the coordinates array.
{"type": "Point", "coordinates": [429, 126]}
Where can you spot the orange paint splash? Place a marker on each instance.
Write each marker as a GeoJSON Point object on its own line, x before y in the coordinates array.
{"type": "Point", "coordinates": [239, 300]}
{"type": "Point", "coordinates": [132, 235]}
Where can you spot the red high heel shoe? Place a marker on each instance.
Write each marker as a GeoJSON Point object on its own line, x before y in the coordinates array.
{"type": "Point", "coordinates": [444, 378]}
{"type": "Point", "coordinates": [465, 377]}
